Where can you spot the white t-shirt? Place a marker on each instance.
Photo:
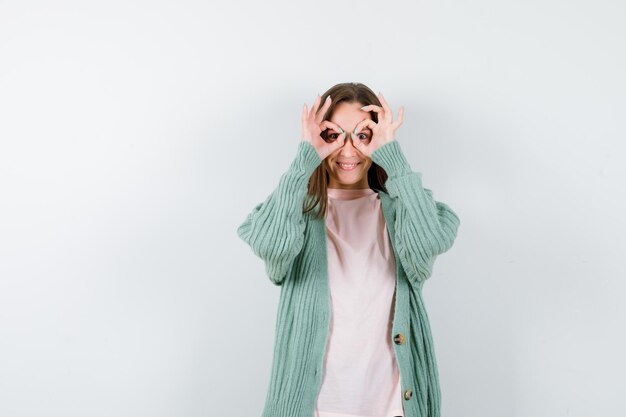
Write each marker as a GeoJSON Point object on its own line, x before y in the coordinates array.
{"type": "Point", "coordinates": [360, 376]}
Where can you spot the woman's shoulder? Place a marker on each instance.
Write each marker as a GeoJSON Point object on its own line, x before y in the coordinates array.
{"type": "Point", "coordinates": [383, 194]}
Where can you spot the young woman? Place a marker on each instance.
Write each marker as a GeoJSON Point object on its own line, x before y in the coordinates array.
{"type": "Point", "coordinates": [350, 235]}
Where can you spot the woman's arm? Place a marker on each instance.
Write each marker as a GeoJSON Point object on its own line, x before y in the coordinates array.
{"type": "Point", "coordinates": [424, 227]}
{"type": "Point", "coordinates": [275, 228]}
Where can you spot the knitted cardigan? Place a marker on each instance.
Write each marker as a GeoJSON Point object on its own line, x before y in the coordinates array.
{"type": "Point", "coordinates": [293, 248]}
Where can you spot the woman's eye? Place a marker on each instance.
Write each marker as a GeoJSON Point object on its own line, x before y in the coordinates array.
{"type": "Point", "coordinates": [334, 136]}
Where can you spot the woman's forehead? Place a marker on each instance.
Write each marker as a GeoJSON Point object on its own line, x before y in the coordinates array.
{"type": "Point", "coordinates": [348, 115]}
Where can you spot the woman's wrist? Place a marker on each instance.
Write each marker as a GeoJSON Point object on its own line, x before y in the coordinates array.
{"type": "Point", "coordinates": [391, 158]}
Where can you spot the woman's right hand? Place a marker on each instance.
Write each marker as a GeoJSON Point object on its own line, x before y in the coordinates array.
{"type": "Point", "coordinates": [313, 126]}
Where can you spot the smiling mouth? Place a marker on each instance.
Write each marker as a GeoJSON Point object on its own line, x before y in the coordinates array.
{"type": "Point", "coordinates": [347, 167]}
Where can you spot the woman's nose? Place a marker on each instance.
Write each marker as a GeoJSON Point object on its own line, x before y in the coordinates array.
{"type": "Point", "coordinates": [347, 144]}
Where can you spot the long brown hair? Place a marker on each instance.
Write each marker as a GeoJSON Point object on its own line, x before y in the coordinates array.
{"type": "Point", "coordinates": [318, 182]}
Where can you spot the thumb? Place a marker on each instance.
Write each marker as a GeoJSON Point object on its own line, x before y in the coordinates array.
{"type": "Point", "coordinates": [340, 140]}
{"type": "Point", "coordinates": [359, 145]}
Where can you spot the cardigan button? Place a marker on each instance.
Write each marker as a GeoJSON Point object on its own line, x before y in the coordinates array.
{"type": "Point", "coordinates": [408, 394]}
{"type": "Point", "coordinates": [399, 339]}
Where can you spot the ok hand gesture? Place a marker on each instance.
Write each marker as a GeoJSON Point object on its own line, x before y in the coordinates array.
{"type": "Point", "coordinates": [382, 132]}
{"type": "Point", "coordinates": [312, 127]}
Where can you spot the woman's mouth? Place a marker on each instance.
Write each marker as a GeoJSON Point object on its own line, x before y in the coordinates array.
{"type": "Point", "coordinates": [347, 167]}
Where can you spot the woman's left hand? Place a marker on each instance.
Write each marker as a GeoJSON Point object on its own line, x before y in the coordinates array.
{"type": "Point", "coordinates": [382, 132]}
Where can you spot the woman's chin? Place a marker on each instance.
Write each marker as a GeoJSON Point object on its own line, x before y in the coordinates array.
{"type": "Point", "coordinates": [347, 179]}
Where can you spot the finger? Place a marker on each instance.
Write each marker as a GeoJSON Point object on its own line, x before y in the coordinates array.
{"type": "Point", "coordinates": [331, 125]}
{"type": "Point", "coordinates": [304, 114]}
{"type": "Point", "coordinates": [316, 103]}
{"type": "Point", "coordinates": [336, 144]}
{"type": "Point", "coordinates": [327, 124]}
{"type": "Point", "coordinates": [380, 111]}
{"type": "Point", "coordinates": [340, 141]}
{"type": "Point", "coordinates": [400, 116]}
{"type": "Point", "coordinates": [386, 107]}
{"type": "Point", "coordinates": [322, 112]}
{"type": "Point", "coordinates": [364, 123]}
{"type": "Point", "coordinates": [373, 107]}
{"type": "Point", "coordinates": [359, 144]}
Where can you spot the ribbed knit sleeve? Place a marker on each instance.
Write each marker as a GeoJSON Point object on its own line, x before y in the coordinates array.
{"type": "Point", "coordinates": [275, 227]}
{"type": "Point", "coordinates": [424, 227]}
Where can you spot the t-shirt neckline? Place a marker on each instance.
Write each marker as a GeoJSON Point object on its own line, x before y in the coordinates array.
{"type": "Point", "coordinates": [348, 193]}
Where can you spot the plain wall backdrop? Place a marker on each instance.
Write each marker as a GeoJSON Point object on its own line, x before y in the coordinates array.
{"type": "Point", "coordinates": [135, 136]}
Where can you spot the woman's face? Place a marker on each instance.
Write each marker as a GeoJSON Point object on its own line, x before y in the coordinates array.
{"type": "Point", "coordinates": [347, 116]}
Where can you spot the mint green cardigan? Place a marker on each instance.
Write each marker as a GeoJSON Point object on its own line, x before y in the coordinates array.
{"type": "Point", "coordinates": [293, 248]}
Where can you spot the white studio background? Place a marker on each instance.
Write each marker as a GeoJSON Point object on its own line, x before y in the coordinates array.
{"type": "Point", "coordinates": [137, 135]}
